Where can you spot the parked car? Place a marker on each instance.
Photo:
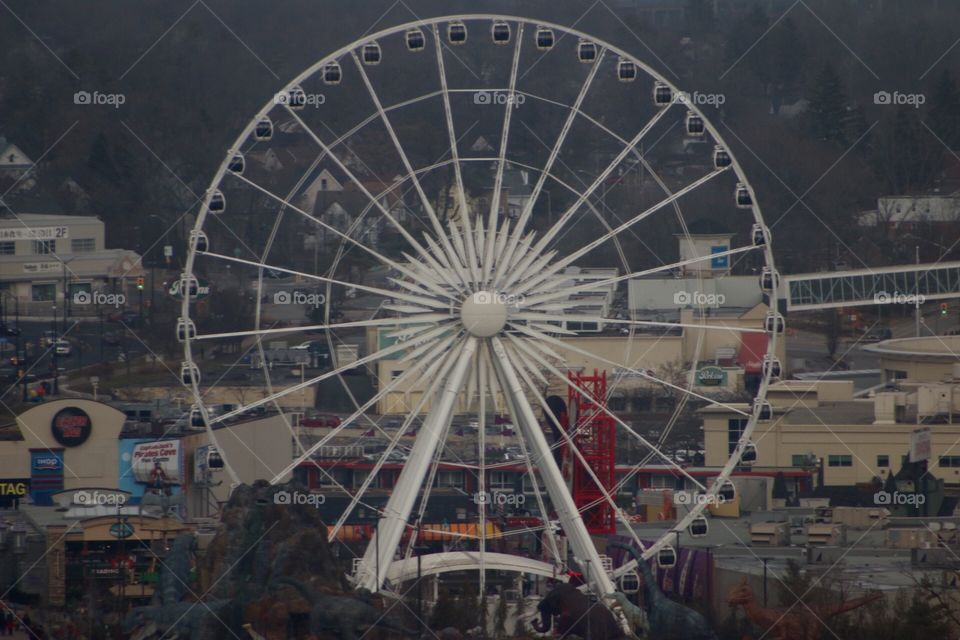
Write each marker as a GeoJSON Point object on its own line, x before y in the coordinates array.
{"type": "Point", "coordinates": [48, 338]}
{"type": "Point", "coordinates": [124, 316]}
{"type": "Point", "coordinates": [7, 330]}
{"type": "Point", "coordinates": [63, 347]}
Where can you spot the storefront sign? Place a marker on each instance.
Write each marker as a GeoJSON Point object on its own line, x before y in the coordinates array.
{"type": "Point", "coordinates": [121, 530]}
{"type": "Point", "coordinates": [711, 377]}
{"type": "Point", "coordinates": [50, 462]}
{"type": "Point", "coordinates": [41, 267]}
{"type": "Point", "coordinates": [34, 233]}
{"type": "Point", "coordinates": [14, 487]}
{"type": "Point", "coordinates": [71, 427]}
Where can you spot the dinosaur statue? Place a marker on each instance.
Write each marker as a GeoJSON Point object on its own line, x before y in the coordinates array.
{"type": "Point", "coordinates": [797, 623]}
{"type": "Point", "coordinates": [168, 615]}
{"type": "Point", "coordinates": [349, 617]}
{"type": "Point", "coordinates": [666, 619]}
{"type": "Point", "coordinates": [576, 615]}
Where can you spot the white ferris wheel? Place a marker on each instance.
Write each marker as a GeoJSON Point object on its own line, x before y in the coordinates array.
{"type": "Point", "coordinates": [484, 156]}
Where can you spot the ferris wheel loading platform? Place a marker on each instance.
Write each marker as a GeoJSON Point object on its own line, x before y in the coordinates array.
{"type": "Point", "coordinates": [860, 287]}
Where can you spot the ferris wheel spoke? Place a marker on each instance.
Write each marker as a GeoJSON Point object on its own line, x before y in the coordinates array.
{"type": "Point", "coordinates": [427, 318]}
{"type": "Point", "coordinates": [643, 374]}
{"type": "Point", "coordinates": [564, 292]}
{"type": "Point", "coordinates": [570, 259]}
{"type": "Point", "coordinates": [437, 371]}
{"type": "Point", "coordinates": [567, 512]}
{"type": "Point", "coordinates": [448, 254]}
{"type": "Point", "coordinates": [379, 256]}
{"type": "Point", "coordinates": [629, 148]}
{"type": "Point", "coordinates": [373, 357]}
{"type": "Point", "coordinates": [501, 161]}
{"type": "Point", "coordinates": [578, 389]}
{"type": "Point", "coordinates": [381, 548]}
{"type": "Point", "coordinates": [549, 317]}
{"type": "Point", "coordinates": [548, 167]}
{"type": "Point", "coordinates": [572, 446]}
{"type": "Point", "coordinates": [423, 301]}
{"type": "Point", "coordinates": [424, 254]}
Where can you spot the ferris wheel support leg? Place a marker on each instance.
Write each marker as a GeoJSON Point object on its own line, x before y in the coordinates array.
{"type": "Point", "coordinates": [542, 456]}
{"type": "Point", "coordinates": [382, 546]}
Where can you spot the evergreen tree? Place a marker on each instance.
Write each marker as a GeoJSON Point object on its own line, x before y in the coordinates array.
{"type": "Point", "coordinates": [827, 110]}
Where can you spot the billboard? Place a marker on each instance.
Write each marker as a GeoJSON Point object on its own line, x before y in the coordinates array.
{"type": "Point", "coordinates": [46, 475]}
{"type": "Point", "coordinates": [137, 460]}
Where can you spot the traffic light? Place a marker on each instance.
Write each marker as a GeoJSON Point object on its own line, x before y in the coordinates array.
{"type": "Point", "coordinates": [944, 308]}
{"type": "Point", "coordinates": [140, 282]}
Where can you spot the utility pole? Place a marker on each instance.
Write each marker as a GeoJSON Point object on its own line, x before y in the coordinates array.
{"type": "Point", "coordinates": [916, 294]}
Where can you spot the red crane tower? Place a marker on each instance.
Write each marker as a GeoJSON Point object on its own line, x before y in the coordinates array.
{"type": "Point", "coordinates": [595, 439]}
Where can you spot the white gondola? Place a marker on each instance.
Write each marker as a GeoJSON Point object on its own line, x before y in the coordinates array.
{"type": "Point", "coordinates": [371, 53]}
{"type": "Point", "coordinates": [667, 557]}
{"type": "Point", "coordinates": [662, 95]}
{"type": "Point", "coordinates": [296, 98]}
{"type": "Point", "coordinates": [749, 454]}
{"type": "Point", "coordinates": [500, 32]}
{"type": "Point", "coordinates": [759, 233]}
{"type": "Point", "coordinates": [769, 280]}
{"type": "Point", "coordinates": [189, 373]}
{"type": "Point", "coordinates": [727, 491]}
{"type": "Point", "coordinates": [236, 164]}
{"type": "Point", "coordinates": [774, 323]}
{"type": "Point", "coordinates": [218, 203]}
{"type": "Point", "coordinates": [200, 241]}
{"type": "Point", "coordinates": [544, 38]}
{"type": "Point", "coordinates": [196, 417]}
{"type": "Point", "coordinates": [626, 70]}
{"type": "Point", "coordinates": [771, 366]}
{"type": "Point", "coordinates": [721, 158]}
{"type": "Point", "coordinates": [762, 409]}
{"type": "Point", "coordinates": [263, 130]}
{"type": "Point", "coordinates": [214, 459]}
{"type": "Point", "coordinates": [456, 33]}
{"type": "Point", "coordinates": [698, 527]}
{"type": "Point", "coordinates": [415, 40]}
{"type": "Point", "coordinates": [695, 126]}
{"type": "Point", "coordinates": [629, 582]}
{"type": "Point", "coordinates": [186, 330]}
{"type": "Point", "coordinates": [332, 73]}
{"type": "Point", "coordinates": [189, 286]}
{"type": "Point", "coordinates": [744, 199]}
{"type": "Point", "coordinates": [586, 51]}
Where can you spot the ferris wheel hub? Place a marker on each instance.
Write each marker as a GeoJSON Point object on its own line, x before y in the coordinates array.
{"type": "Point", "coordinates": [484, 314]}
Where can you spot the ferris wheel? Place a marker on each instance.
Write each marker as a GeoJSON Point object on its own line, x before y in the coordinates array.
{"type": "Point", "coordinates": [443, 186]}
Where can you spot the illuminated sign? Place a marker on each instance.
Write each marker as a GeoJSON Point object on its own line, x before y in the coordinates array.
{"type": "Point", "coordinates": [14, 487]}
{"type": "Point", "coordinates": [711, 376]}
{"type": "Point", "coordinates": [71, 427]}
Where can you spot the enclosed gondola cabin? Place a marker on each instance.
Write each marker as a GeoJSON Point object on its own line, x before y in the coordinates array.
{"type": "Point", "coordinates": [586, 51]}
{"type": "Point", "coordinates": [415, 40]}
{"type": "Point", "coordinates": [695, 125]}
{"type": "Point", "coordinates": [186, 330]}
{"type": "Point", "coordinates": [626, 71]}
{"type": "Point", "coordinates": [332, 73]}
{"type": "Point", "coordinates": [698, 527]}
{"type": "Point", "coordinates": [199, 240]}
{"type": "Point", "coordinates": [759, 234]}
{"type": "Point", "coordinates": [296, 98]}
{"type": "Point", "coordinates": [667, 557]}
{"type": "Point", "coordinates": [744, 199]}
{"type": "Point", "coordinates": [771, 366]}
{"type": "Point", "coordinates": [500, 32]}
{"type": "Point", "coordinates": [236, 164]}
{"type": "Point", "coordinates": [544, 38]}
{"type": "Point", "coordinates": [456, 33]}
{"type": "Point", "coordinates": [662, 95]}
{"type": "Point", "coordinates": [721, 158]}
{"type": "Point", "coordinates": [189, 373]}
{"type": "Point", "coordinates": [371, 53]}
{"type": "Point", "coordinates": [263, 130]}
{"type": "Point", "coordinates": [218, 203]}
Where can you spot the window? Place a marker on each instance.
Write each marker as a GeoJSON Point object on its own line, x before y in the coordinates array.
{"type": "Point", "coordinates": [735, 429]}
{"type": "Point", "coordinates": [450, 479]}
{"type": "Point", "coordinates": [43, 292]}
{"type": "Point", "coordinates": [883, 461]}
{"type": "Point", "coordinates": [617, 403]}
{"type": "Point", "coordinates": [798, 460]}
{"type": "Point", "coordinates": [840, 461]}
{"type": "Point", "coordinates": [895, 374]}
{"type": "Point", "coordinates": [501, 481]}
{"type": "Point", "coordinates": [950, 461]}
{"type": "Point", "coordinates": [82, 245]}
{"type": "Point", "coordinates": [663, 481]}
{"type": "Point", "coordinates": [44, 247]}
{"type": "Point", "coordinates": [528, 484]}
{"type": "Point", "coordinates": [8, 248]}
{"type": "Point", "coordinates": [360, 476]}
